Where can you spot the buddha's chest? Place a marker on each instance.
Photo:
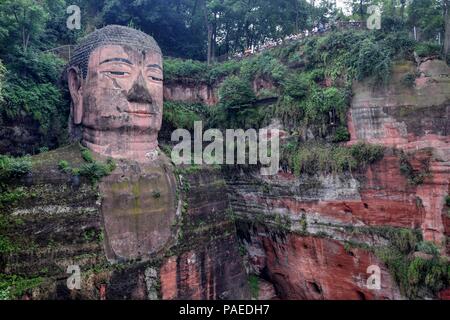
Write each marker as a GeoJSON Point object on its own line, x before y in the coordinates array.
{"type": "Point", "coordinates": [139, 210]}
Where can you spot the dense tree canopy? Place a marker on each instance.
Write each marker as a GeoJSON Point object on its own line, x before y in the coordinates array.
{"type": "Point", "coordinates": [2, 78]}
{"type": "Point", "coordinates": [202, 29]}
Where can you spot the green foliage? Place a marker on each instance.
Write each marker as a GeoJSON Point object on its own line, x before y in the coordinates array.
{"type": "Point", "coordinates": [253, 283]}
{"type": "Point", "coordinates": [178, 115]}
{"type": "Point", "coordinates": [415, 177]}
{"type": "Point", "coordinates": [427, 16]}
{"type": "Point", "coordinates": [289, 111]}
{"type": "Point", "coordinates": [22, 19]}
{"type": "Point", "coordinates": [219, 71]}
{"type": "Point", "coordinates": [11, 168]}
{"type": "Point", "coordinates": [87, 156]}
{"type": "Point", "coordinates": [40, 101]}
{"type": "Point", "coordinates": [31, 93]}
{"type": "Point", "coordinates": [409, 80]}
{"type": "Point", "coordinates": [43, 149]}
{"type": "Point", "coordinates": [322, 101]}
{"type": "Point", "coordinates": [30, 89]}
{"type": "Point", "coordinates": [416, 276]}
{"type": "Point", "coordinates": [236, 92]}
{"type": "Point", "coordinates": [404, 240]}
{"type": "Point", "coordinates": [316, 158]}
{"type": "Point", "coordinates": [179, 70]}
{"type": "Point", "coordinates": [2, 78]}
{"type": "Point", "coordinates": [96, 170]}
{"type": "Point", "coordinates": [341, 135]}
{"type": "Point", "coordinates": [427, 49]}
{"type": "Point", "coordinates": [296, 85]}
{"type": "Point", "coordinates": [185, 70]}
{"type": "Point", "coordinates": [428, 248]}
{"type": "Point", "coordinates": [64, 166]}
{"type": "Point", "coordinates": [373, 61]}
{"type": "Point", "coordinates": [13, 286]}
{"type": "Point", "coordinates": [239, 117]}
{"type": "Point", "coordinates": [263, 65]}
{"type": "Point", "coordinates": [399, 44]}
{"type": "Point", "coordinates": [92, 169]}
{"type": "Point", "coordinates": [367, 153]}
{"type": "Point", "coordinates": [358, 55]}
{"type": "Point", "coordinates": [306, 102]}
{"type": "Point", "coordinates": [429, 274]}
{"type": "Point", "coordinates": [90, 235]}
{"type": "Point", "coordinates": [6, 246]}
{"type": "Point", "coordinates": [447, 201]}
{"type": "Point", "coordinates": [10, 197]}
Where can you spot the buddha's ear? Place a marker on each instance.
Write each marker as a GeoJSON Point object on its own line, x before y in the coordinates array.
{"type": "Point", "coordinates": [75, 80]}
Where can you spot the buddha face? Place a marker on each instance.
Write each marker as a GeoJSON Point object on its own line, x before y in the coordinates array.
{"type": "Point", "coordinates": [119, 104]}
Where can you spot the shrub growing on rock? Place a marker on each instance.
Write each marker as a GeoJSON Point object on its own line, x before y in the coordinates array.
{"type": "Point", "coordinates": [13, 167]}
{"type": "Point", "coordinates": [236, 93]}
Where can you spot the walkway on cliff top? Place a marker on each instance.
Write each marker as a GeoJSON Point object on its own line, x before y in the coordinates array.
{"type": "Point", "coordinates": [65, 52]}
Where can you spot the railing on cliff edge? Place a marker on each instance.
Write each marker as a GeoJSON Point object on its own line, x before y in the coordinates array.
{"type": "Point", "coordinates": [65, 52]}
{"type": "Point", "coordinates": [270, 44]}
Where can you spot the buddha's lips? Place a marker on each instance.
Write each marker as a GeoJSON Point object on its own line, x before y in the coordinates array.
{"type": "Point", "coordinates": [141, 113]}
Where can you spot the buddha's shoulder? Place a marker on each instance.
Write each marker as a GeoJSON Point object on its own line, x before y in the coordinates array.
{"type": "Point", "coordinates": [57, 164]}
{"type": "Point", "coordinates": [72, 154]}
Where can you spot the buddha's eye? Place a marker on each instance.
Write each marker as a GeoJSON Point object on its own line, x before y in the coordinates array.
{"type": "Point", "coordinates": [117, 74]}
{"type": "Point", "coordinates": [155, 78]}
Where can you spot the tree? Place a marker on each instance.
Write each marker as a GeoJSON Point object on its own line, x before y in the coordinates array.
{"type": "Point", "coordinates": [359, 7]}
{"type": "Point", "coordinates": [2, 77]}
{"type": "Point", "coordinates": [402, 9]}
{"type": "Point", "coordinates": [209, 18]}
{"type": "Point", "coordinates": [427, 16]}
{"type": "Point", "coordinates": [447, 28]}
{"type": "Point", "coordinates": [25, 19]}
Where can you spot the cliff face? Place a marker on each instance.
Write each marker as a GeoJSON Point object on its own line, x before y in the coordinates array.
{"type": "Point", "coordinates": [58, 223]}
{"type": "Point", "coordinates": [312, 268]}
{"type": "Point", "coordinates": [412, 119]}
{"type": "Point", "coordinates": [204, 93]}
{"type": "Point", "coordinates": [312, 237]}
{"type": "Point", "coordinates": [191, 93]}
{"type": "Point", "coordinates": [299, 237]}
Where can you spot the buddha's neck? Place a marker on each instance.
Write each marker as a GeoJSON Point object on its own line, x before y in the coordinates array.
{"type": "Point", "coordinates": [120, 145]}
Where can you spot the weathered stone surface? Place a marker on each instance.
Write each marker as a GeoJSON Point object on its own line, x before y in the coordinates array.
{"type": "Point", "coordinates": [210, 266]}
{"type": "Point", "coordinates": [313, 268]}
{"type": "Point", "coordinates": [139, 209]}
{"type": "Point", "coordinates": [61, 222]}
{"type": "Point", "coordinates": [116, 84]}
{"type": "Point", "coordinates": [205, 93]}
{"type": "Point", "coordinates": [411, 119]}
{"type": "Point", "coordinates": [191, 93]}
{"type": "Point", "coordinates": [213, 272]}
{"type": "Point", "coordinates": [266, 290]}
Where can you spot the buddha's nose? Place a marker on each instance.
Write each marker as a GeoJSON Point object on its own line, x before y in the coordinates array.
{"type": "Point", "coordinates": [139, 92]}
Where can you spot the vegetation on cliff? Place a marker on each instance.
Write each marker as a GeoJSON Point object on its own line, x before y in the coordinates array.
{"type": "Point", "coordinates": [10, 170]}
{"type": "Point", "coordinates": [313, 158]}
{"type": "Point", "coordinates": [418, 276]}
{"type": "Point", "coordinates": [309, 89]}
{"type": "Point", "coordinates": [2, 78]}
{"type": "Point", "coordinates": [179, 115]}
{"type": "Point", "coordinates": [92, 169]}
{"type": "Point", "coordinates": [312, 79]}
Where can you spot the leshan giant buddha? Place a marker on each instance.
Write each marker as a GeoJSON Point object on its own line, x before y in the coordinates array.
{"type": "Point", "coordinates": [115, 80]}
{"type": "Point", "coordinates": [116, 84]}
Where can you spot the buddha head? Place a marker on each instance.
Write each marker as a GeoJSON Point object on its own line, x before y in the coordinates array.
{"type": "Point", "coordinates": [115, 81]}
